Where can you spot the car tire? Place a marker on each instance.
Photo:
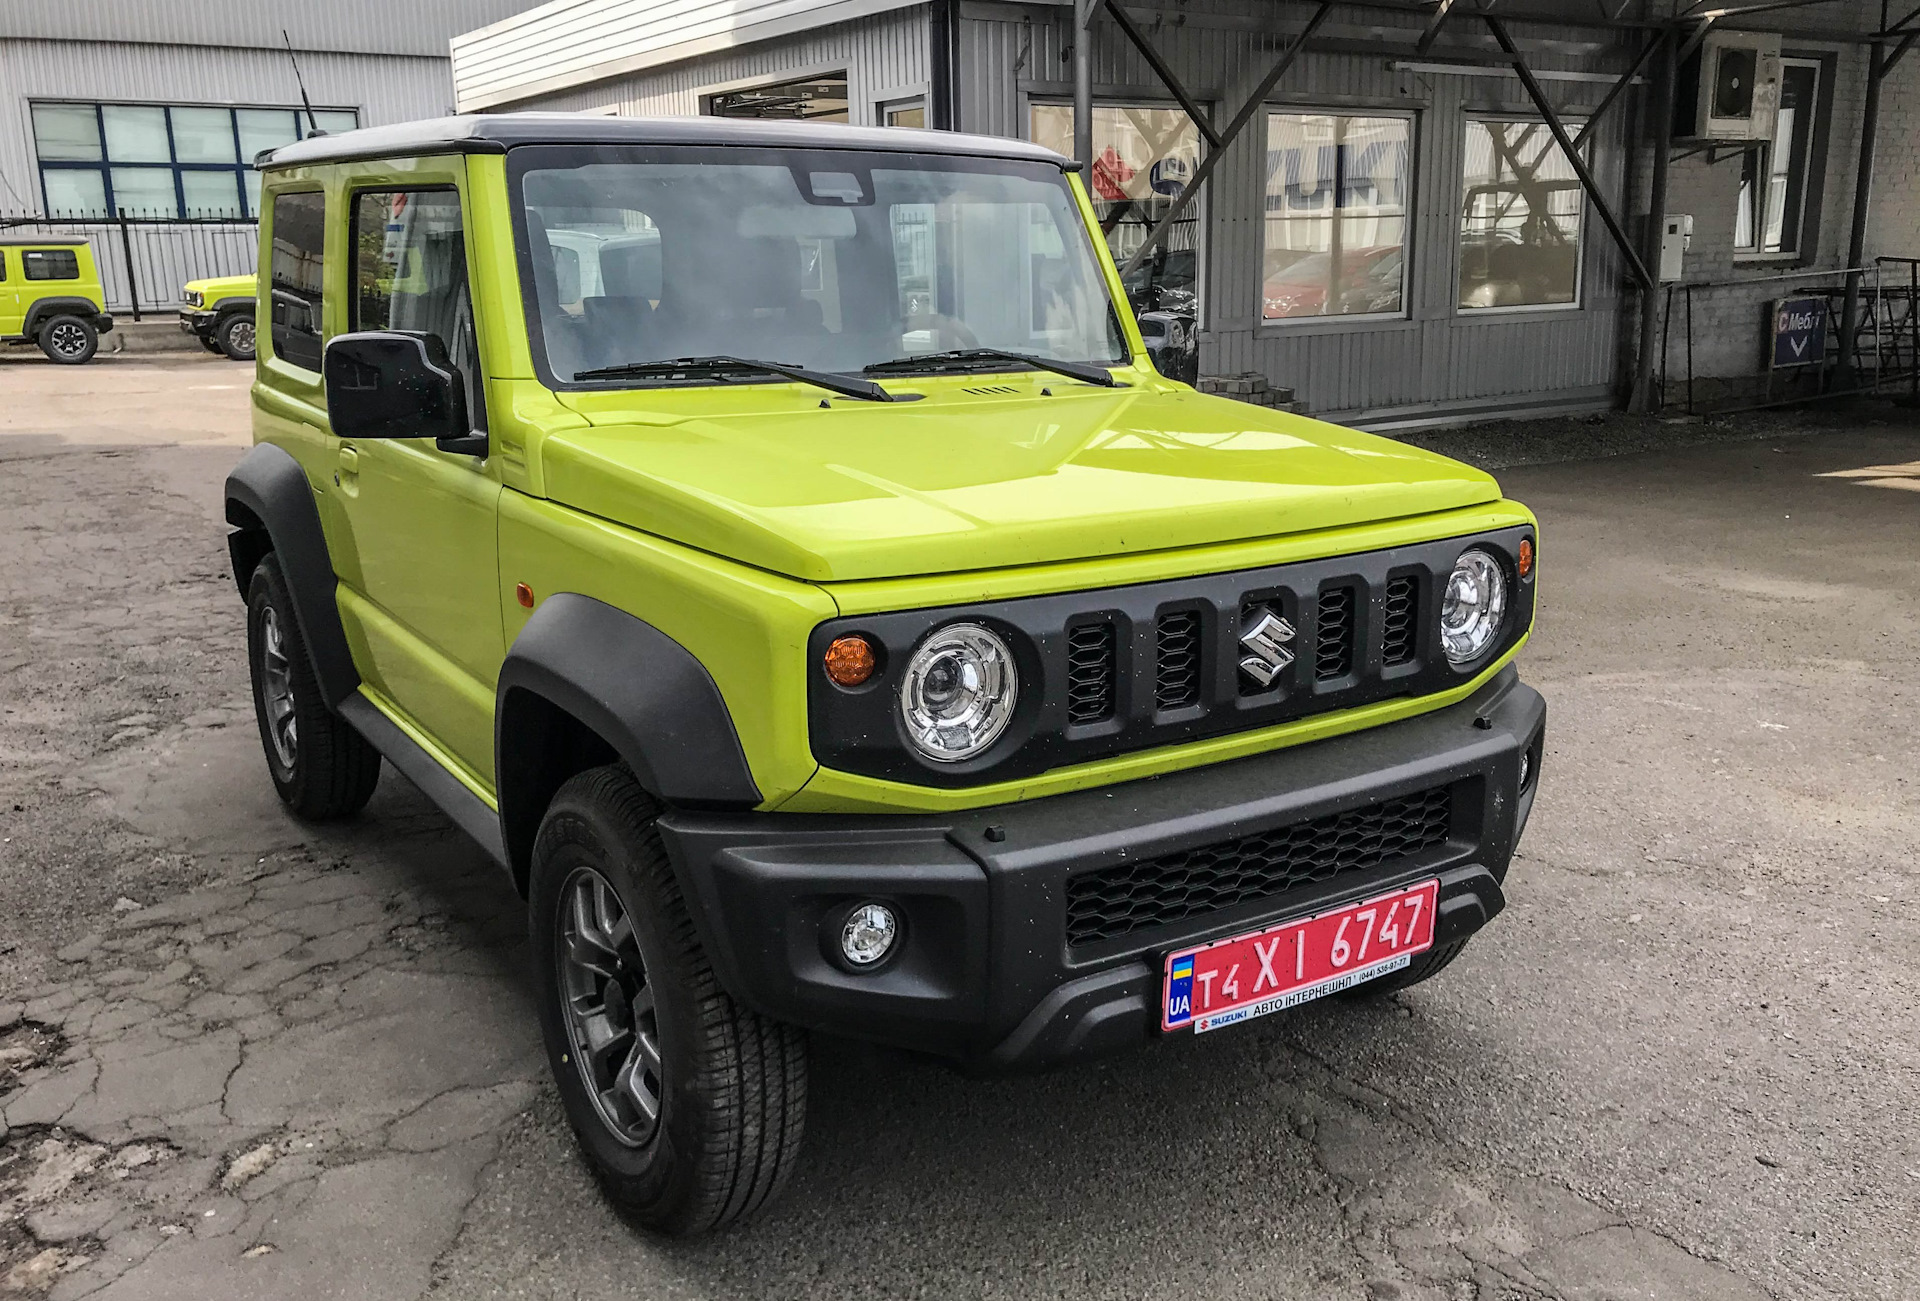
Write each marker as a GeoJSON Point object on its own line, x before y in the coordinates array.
{"type": "Point", "coordinates": [688, 1107]}
{"type": "Point", "coordinates": [1425, 967]}
{"type": "Point", "coordinates": [321, 767]}
{"type": "Point", "coordinates": [212, 345]}
{"type": "Point", "coordinates": [235, 336]}
{"type": "Point", "coordinates": [68, 340]}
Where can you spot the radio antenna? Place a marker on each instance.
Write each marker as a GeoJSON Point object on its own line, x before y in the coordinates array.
{"type": "Point", "coordinates": [313, 127]}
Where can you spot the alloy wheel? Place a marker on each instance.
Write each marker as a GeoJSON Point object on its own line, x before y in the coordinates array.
{"type": "Point", "coordinates": [241, 336]}
{"type": "Point", "coordinates": [67, 339]}
{"type": "Point", "coordinates": [276, 689]}
{"type": "Point", "coordinates": [613, 1031]}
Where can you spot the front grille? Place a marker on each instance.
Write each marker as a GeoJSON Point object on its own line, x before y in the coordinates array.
{"type": "Point", "coordinates": [1333, 635]}
{"type": "Point", "coordinates": [1090, 655]}
{"type": "Point", "coordinates": [1111, 902]}
{"type": "Point", "coordinates": [1177, 677]}
{"type": "Point", "coordinates": [1398, 621]}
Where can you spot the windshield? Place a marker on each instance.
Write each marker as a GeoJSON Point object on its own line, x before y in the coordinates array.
{"type": "Point", "coordinates": [830, 260]}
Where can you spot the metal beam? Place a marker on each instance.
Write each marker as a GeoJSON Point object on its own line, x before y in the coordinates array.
{"type": "Point", "coordinates": [1228, 136]}
{"type": "Point", "coordinates": [1434, 24]}
{"type": "Point", "coordinates": [1641, 399]}
{"type": "Point", "coordinates": [1862, 199]}
{"type": "Point", "coordinates": [1899, 52]}
{"type": "Point", "coordinates": [1626, 79]}
{"type": "Point", "coordinates": [1165, 73]}
{"type": "Point", "coordinates": [1579, 164]}
{"type": "Point", "coordinates": [1692, 43]}
{"type": "Point", "coordinates": [1083, 11]}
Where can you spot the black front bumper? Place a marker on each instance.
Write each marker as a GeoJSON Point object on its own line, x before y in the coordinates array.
{"type": "Point", "coordinates": [198, 322]}
{"type": "Point", "coordinates": [986, 972]}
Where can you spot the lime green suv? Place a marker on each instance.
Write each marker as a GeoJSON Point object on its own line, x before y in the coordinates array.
{"type": "Point", "coordinates": [219, 312]}
{"type": "Point", "coordinates": [50, 295]}
{"type": "Point", "coordinates": [771, 543]}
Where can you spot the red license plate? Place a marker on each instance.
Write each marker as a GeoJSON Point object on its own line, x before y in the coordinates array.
{"type": "Point", "coordinates": [1234, 980]}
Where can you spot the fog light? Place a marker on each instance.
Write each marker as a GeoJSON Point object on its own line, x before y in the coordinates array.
{"type": "Point", "coordinates": [868, 934]}
{"type": "Point", "coordinates": [1526, 768]}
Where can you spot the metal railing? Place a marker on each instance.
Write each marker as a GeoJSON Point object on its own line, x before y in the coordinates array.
{"type": "Point", "coordinates": [144, 259]}
{"type": "Point", "coordinates": [1886, 344]}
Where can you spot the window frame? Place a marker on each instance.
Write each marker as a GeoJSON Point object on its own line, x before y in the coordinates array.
{"type": "Point", "coordinates": [1332, 323]}
{"type": "Point", "coordinates": [1573, 126]}
{"type": "Point", "coordinates": [1200, 212]}
{"type": "Point", "coordinates": [104, 166]}
{"type": "Point", "coordinates": [271, 351]}
{"type": "Point", "coordinates": [1813, 181]}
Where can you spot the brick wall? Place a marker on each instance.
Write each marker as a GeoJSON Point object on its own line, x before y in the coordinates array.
{"type": "Point", "coordinates": [1729, 323]}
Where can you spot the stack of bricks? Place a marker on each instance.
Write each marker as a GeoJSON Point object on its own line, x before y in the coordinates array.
{"type": "Point", "coordinates": [1248, 386]}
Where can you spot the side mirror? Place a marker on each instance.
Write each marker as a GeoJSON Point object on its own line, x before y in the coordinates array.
{"type": "Point", "coordinates": [389, 384]}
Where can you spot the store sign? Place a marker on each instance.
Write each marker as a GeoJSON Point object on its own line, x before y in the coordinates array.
{"type": "Point", "coordinates": [1799, 331]}
{"type": "Point", "coordinates": [1169, 176]}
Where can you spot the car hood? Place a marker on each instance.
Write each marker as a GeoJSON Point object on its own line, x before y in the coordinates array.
{"type": "Point", "coordinates": [224, 286]}
{"type": "Point", "coordinates": [965, 481]}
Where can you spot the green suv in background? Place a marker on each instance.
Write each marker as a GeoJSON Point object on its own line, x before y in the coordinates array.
{"type": "Point", "coordinates": [50, 295]}
{"type": "Point", "coordinates": [772, 543]}
{"type": "Point", "coordinates": [219, 312]}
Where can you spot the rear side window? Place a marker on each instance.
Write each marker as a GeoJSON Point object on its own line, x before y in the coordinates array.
{"type": "Point", "coordinates": [51, 264]}
{"type": "Point", "coordinates": [299, 236]}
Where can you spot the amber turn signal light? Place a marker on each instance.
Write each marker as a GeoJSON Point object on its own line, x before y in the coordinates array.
{"type": "Point", "coordinates": [849, 661]}
{"type": "Point", "coordinates": [523, 594]}
{"type": "Point", "coordinates": [1525, 561]}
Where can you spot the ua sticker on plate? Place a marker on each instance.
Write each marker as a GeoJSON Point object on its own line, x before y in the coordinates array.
{"type": "Point", "coordinates": [1237, 979]}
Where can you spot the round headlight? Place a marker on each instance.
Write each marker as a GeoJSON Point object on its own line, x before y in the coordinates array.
{"type": "Point", "coordinates": [1474, 607]}
{"type": "Point", "coordinates": [958, 692]}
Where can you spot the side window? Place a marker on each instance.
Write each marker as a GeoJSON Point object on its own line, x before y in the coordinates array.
{"type": "Point", "coordinates": [3, 265]}
{"type": "Point", "coordinates": [299, 236]}
{"type": "Point", "coordinates": [51, 264]}
{"type": "Point", "coordinates": [410, 273]}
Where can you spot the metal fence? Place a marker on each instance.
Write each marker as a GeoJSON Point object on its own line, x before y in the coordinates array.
{"type": "Point", "coordinates": [144, 260]}
{"type": "Point", "coordinates": [1885, 349]}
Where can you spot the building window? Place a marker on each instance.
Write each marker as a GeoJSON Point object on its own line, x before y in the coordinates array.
{"type": "Point", "coordinates": [1335, 224]}
{"type": "Point", "coordinates": [1520, 218]}
{"type": "Point", "coordinates": [906, 112]}
{"type": "Point", "coordinates": [299, 234]}
{"type": "Point", "coordinates": [810, 99]}
{"type": "Point", "coordinates": [163, 161]}
{"type": "Point", "coordinates": [1771, 212]}
{"type": "Point", "coordinates": [1142, 159]}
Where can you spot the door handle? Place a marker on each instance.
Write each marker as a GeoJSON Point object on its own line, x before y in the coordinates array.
{"type": "Point", "coordinates": [347, 476]}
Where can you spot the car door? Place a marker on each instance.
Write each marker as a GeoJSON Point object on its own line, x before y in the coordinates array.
{"type": "Point", "coordinates": [423, 600]}
{"type": "Point", "coordinates": [12, 310]}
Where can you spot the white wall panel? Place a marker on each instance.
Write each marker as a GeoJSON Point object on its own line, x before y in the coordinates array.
{"type": "Point", "coordinates": [420, 27]}
{"type": "Point", "coordinates": [571, 43]}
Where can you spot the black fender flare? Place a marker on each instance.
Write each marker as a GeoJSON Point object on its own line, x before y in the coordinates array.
{"type": "Point", "coordinates": [268, 492]}
{"type": "Point", "coordinates": [641, 692]}
{"type": "Point", "coordinates": [40, 311]}
{"type": "Point", "coordinates": [232, 307]}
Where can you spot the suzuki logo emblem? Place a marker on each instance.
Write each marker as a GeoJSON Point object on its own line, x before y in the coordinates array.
{"type": "Point", "coordinates": [1266, 654]}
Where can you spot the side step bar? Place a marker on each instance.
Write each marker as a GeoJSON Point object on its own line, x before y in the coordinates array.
{"type": "Point", "coordinates": [468, 811]}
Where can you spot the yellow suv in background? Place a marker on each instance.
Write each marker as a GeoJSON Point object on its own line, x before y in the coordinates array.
{"type": "Point", "coordinates": [50, 295]}
{"type": "Point", "coordinates": [219, 312]}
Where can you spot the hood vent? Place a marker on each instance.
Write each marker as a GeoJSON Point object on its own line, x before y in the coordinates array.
{"type": "Point", "coordinates": [992, 388]}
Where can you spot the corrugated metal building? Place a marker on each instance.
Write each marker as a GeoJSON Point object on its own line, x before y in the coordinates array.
{"type": "Point", "coordinates": [1395, 235]}
{"type": "Point", "coordinates": [156, 109]}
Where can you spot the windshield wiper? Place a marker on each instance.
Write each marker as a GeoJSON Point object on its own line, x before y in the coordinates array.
{"type": "Point", "coordinates": [845, 385]}
{"type": "Point", "coordinates": [1079, 370]}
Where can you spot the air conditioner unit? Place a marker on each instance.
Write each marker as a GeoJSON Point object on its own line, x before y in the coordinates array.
{"type": "Point", "coordinates": [1729, 88]}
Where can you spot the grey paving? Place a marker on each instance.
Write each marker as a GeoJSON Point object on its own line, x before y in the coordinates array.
{"type": "Point", "coordinates": [244, 1058]}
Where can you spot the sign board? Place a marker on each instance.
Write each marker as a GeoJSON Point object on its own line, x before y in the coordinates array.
{"type": "Point", "coordinates": [1799, 332]}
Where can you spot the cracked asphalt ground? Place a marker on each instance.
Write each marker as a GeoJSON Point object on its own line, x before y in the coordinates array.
{"type": "Point", "coordinates": [240, 1057]}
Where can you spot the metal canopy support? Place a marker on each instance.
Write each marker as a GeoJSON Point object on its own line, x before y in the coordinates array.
{"type": "Point", "coordinates": [1862, 198]}
{"type": "Point", "coordinates": [1434, 24]}
{"type": "Point", "coordinates": [1619, 88]}
{"type": "Point", "coordinates": [1580, 168]}
{"type": "Point", "coordinates": [1165, 73]}
{"type": "Point", "coordinates": [1083, 11]}
{"type": "Point", "coordinates": [1641, 399]}
{"type": "Point", "coordinates": [1228, 136]}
